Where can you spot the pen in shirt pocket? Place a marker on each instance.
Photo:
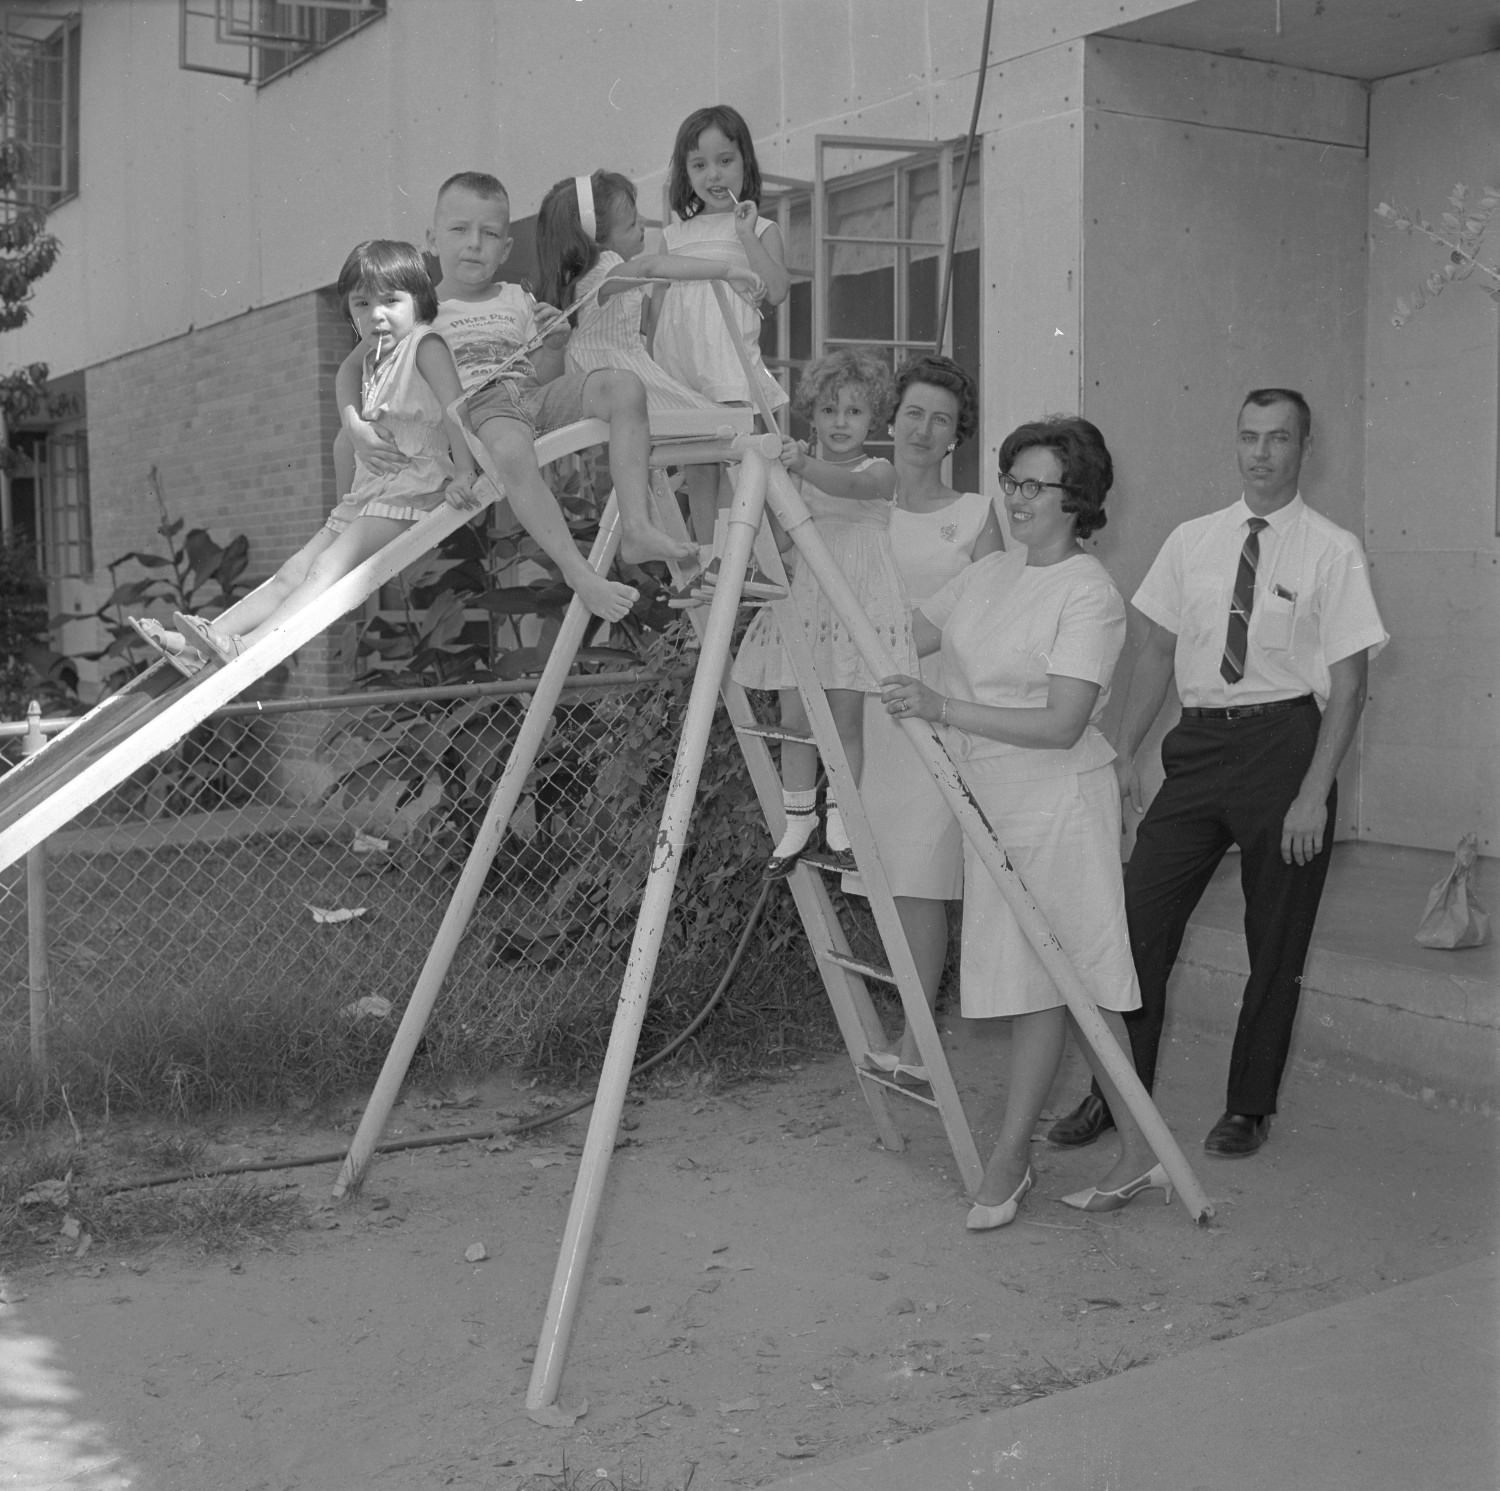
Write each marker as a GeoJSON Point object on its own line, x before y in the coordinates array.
{"type": "Point", "coordinates": [1282, 593]}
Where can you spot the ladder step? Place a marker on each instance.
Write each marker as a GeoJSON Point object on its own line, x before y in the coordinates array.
{"type": "Point", "coordinates": [822, 859]}
{"type": "Point", "coordinates": [923, 1095]}
{"type": "Point", "coordinates": [776, 732]}
{"type": "Point", "coordinates": [859, 966]}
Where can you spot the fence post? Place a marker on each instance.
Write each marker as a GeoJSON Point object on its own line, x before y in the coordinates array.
{"type": "Point", "coordinates": [36, 919]}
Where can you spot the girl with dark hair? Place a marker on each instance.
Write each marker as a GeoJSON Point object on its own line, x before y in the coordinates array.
{"type": "Point", "coordinates": [589, 243]}
{"type": "Point", "coordinates": [715, 189]}
{"type": "Point", "coordinates": [1029, 640]}
{"type": "Point", "coordinates": [408, 380]}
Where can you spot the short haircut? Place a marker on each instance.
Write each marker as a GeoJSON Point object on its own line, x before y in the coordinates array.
{"type": "Point", "coordinates": [732, 126]}
{"type": "Point", "coordinates": [1088, 471]}
{"type": "Point", "coordinates": [942, 372]}
{"type": "Point", "coordinates": [849, 367]}
{"type": "Point", "coordinates": [564, 252]}
{"type": "Point", "coordinates": [481, 183]}
{"type": "Point", "coordinates": [380, 265]}
{"type": "Point", "coordinates": [1263, 398]}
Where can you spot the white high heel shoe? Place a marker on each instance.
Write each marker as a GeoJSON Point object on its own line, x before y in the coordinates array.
{"type": "Point", "coordinates": [1094, 1199]}
{"type": "Point", "coordinates": [983, 1218]}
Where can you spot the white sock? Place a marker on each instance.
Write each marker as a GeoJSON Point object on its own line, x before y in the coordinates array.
{"type": "Point", "coordinates": [834, 830]}
{"type": "Point", "coordinates": [801, 821]}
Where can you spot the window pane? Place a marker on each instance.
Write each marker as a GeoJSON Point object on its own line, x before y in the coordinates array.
{"type": "Point", "coordinates": [861, 292]}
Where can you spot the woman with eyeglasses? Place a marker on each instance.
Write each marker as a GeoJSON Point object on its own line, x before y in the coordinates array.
{"type": "Point", "coordinates": [1028, 640]}
{"type": "Point", "coordinates": [935, 532]}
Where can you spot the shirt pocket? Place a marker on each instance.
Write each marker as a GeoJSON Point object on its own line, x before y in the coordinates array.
{"type": "Point", "coordinates": [1273, 625]}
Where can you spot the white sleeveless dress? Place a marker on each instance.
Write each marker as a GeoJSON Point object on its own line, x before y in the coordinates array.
{"type": "Point", "coordinates": [920, 842]}
{"type": "Point", "coordinates": [858, 537]}
{"type": "Point", "coordinates": [691, 342]}
{"type": "Point", "coordinates": [609, 336]}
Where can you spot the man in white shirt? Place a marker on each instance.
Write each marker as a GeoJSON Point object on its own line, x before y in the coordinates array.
{"type": "Point", "coordinates": [1262, 615]}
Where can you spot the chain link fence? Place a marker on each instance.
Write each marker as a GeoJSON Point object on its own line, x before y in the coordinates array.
{"type": "Point", "coordinates": [243, 920]}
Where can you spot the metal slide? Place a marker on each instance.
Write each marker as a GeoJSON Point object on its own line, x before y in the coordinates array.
{"type": "Point", "coordinates": [155, 710]}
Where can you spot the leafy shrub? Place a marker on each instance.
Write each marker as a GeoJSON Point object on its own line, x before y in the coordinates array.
{"type": "Point", "coordinates": [29, 668]}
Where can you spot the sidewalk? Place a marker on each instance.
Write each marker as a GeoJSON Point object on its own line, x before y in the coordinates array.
{"type": "Point", "coordinates": [1394, 1392]}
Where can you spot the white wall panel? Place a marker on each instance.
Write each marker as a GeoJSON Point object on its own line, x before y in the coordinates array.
{"type": "Point", "coordinates": [1432, 767]}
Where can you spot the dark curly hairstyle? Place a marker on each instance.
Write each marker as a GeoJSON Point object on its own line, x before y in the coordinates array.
{"type": "Point", "coordinates": [848, 367]}
{"type": "Point", "coordinates": [384, 264]}
{"type": "Point", "coordinates": [731, 124]}
{"type": "Point", "coordinates": [1088, 471]}
{"type": "Point", "coordinates": [942, 372]}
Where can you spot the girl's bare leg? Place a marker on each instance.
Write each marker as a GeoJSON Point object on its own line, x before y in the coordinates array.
{"type": "Point", "coordinates": [268, 597]}
{"type": "Point", "coordinates": [329, 564]}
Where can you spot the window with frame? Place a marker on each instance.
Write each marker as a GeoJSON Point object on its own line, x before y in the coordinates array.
{"type": "Point", "coordinates": [257, 41]}
{"type": "Point", "coordinates": [865, 247]}
{"type": "Point", "coordinates": [47, 500]}
{"type": "Point", "coordinates": [40, 122]}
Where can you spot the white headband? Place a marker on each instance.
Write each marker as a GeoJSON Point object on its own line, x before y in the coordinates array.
{"type": "Point", "coordinates": [584, 187]}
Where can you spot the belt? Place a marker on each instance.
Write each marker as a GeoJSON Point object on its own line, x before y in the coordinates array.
{"type": "Point", "coordinates": [1248, 711]}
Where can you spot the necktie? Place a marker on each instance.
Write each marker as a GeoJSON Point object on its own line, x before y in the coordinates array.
{"type": "Point", "coordinates": [1232, 664]}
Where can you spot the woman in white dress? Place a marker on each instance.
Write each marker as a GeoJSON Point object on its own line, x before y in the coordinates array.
{"type": "Point", "coordinates": [1029, 640]}
{"type": "Point", "coordinates": [935, 532]}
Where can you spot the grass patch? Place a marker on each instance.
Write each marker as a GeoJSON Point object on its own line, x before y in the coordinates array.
{"type": "Point", "coordinates": [222, 1215]}
{"type": "Point", "coordinates": [57, 1200]}
{"type": "Point", "coordinates": [169, 1004]}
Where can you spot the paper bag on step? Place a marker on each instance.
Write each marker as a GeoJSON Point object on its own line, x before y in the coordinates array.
{"type": "Point", "coordinates": [1454, 917]}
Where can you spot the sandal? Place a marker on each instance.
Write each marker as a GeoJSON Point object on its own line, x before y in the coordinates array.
{"type": "Point", "coordinates": [215, 644]}
{"type": "Point", "coordinates": [187, 660]}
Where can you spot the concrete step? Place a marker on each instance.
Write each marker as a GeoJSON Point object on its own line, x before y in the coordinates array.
{"type": "Point", "coordinates": [1375, 1004]}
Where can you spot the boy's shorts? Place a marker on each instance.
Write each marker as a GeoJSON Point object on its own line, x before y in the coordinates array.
{"type": "Point", "coordinates": [539, 406]}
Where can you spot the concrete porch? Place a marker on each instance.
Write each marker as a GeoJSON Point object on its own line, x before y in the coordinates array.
{"type": "Point", "coordinates": [1375, 1005]}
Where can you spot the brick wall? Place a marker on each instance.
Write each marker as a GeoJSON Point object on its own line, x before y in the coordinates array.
{"type": "Point", "coordinates": [238, 419]}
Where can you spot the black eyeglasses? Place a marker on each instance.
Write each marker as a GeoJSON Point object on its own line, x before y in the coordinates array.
{"type": "Point", "coordinates": [1030, 488]}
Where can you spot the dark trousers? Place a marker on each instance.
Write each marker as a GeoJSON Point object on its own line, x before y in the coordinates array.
{"type": "Point", "coordinates": [1228, 782]}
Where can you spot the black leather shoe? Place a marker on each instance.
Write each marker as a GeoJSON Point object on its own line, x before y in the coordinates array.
{"type": "Point", "coordinates": [1238, 1134]}
{"type": "Point", "coordinates": [1083, 1125]}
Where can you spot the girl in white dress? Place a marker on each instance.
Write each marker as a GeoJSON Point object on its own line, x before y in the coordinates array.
{"type": "Point", "coordinates": [714, 188]}
{"type": "Point", "coordinates": [590, 245]}
{"type": "Point", "coordinates": [408, 380]}
{"type": "Point", "coordinates": [849, 496]}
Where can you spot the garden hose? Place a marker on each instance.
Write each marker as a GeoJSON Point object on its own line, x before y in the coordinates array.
{"type": "Point", "coordinates": [525, 1126]}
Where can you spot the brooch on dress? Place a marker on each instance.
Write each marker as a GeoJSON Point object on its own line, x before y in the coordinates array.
{"type": "Point", "coordinates": [949, 532]}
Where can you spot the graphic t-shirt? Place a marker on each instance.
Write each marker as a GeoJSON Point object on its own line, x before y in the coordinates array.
{"type": "Point", "coordinates": [486, 335]}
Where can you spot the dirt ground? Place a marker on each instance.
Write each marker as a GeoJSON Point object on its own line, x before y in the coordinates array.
{"type": "Point", "coordinates": [767, 1289]}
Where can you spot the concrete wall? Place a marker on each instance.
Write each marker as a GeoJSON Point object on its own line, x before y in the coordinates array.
{"type": "Point", "coordinates": [1432, 769]}
{"type": "Point", "coordinates": [202, 197]}
{"type": "Point", "coordinates": [1223, 249]}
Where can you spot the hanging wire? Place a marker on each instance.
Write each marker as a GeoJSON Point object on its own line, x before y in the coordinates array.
{"type": "Point", "coordinates": [963, 177]}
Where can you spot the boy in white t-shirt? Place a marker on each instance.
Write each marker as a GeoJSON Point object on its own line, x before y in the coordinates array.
{"type": "Point", "coordinates": [487, 325]}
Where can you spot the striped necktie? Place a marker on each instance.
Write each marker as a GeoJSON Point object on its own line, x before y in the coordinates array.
{"type": "Point", "coordinates": [1232, 664]}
